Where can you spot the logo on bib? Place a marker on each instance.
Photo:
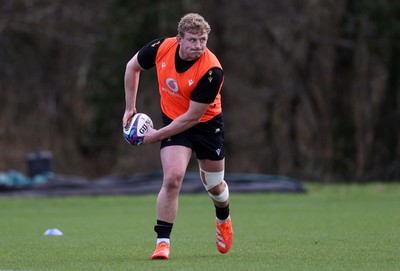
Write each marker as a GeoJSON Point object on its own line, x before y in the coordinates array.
{"type": "Point", "coordinates": [171, 83]}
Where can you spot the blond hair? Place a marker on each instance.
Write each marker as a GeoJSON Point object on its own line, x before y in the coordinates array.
{"type": "Point", "coordinates": [193, 23]}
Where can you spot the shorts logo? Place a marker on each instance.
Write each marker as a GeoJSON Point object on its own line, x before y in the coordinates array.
{"type": "Point", "coordinates": [171, 83]}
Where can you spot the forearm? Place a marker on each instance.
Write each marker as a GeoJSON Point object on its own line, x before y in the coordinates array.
{"type": "Point", "coordinates": [179, 125]}
{"type": "Point", "coordinates": [131, 87]}
{"type": "Point", "coordinates": [185, 121]}
{"type": "Point", "coordinates": [131, 83]}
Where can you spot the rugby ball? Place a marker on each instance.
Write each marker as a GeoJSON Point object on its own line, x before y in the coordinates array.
{"type": "Point", "coordinates": [136, 129]}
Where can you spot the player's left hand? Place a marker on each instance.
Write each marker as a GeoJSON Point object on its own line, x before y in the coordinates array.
{"type": "Point", "coordinates": [151, 136]}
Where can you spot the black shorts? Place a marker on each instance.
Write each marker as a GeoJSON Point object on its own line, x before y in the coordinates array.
{"type": "Point", "coordinates": [206, 139]}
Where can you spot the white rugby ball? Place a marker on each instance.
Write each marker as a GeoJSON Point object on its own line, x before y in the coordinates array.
{"type": "Point", "coordinates": [136, 129]}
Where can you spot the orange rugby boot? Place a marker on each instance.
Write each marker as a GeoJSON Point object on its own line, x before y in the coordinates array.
{"type": "Point", "coordinates": [161, 252]}
{"type": "Point", "coordinates": [224, 235]}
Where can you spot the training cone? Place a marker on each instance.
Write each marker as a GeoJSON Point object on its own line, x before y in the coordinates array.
{"type": "Point", "coordinates": [53, 232]}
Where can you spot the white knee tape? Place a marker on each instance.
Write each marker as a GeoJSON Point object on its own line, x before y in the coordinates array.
{"type": "Point", "coordinates": [211, 179]}
{"type": "Point", "coordinates": [224, 196]}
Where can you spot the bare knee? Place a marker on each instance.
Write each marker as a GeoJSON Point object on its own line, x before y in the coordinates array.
{"type": "Point", "coordinates": [173, 180]}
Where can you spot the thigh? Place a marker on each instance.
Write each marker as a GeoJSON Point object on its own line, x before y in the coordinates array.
{"type": "Point", "coordinates": [174, 160]}
{"type": "Point", "coordinates": [212, 165]}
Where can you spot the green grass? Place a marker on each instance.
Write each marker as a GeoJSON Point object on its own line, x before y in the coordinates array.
{"type": "Point", "coordinates": [333, 227]}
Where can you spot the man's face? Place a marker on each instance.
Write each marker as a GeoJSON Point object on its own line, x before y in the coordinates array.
{"type": "Point", "coordinates": [192, 46]}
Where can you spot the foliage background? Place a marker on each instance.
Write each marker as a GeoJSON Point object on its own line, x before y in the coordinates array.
{"type": "Point", "coordinates": [311, 89]}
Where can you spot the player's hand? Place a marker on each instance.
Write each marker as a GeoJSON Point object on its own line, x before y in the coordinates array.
{"type": "Point", "coordinates": [151, 136]}
{"type": "Point", "coordinates": [127, 116]}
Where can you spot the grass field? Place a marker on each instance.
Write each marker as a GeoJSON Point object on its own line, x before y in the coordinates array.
{"type": "Point", "coordinates": [332, 227]}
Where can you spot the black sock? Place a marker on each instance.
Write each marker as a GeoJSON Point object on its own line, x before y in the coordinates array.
{"type": "Point", "coordinates": [222, 213]}
{"type": "Point", "coordinates": [163, 229]}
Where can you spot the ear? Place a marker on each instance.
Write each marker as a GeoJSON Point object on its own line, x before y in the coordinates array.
{"type": "Point", "coordinates": [179, 38]}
